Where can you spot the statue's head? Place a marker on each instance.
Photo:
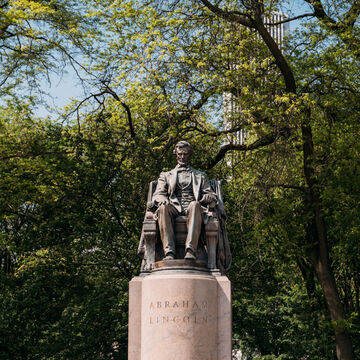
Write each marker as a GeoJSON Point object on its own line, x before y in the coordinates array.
{"type": "Point", "coordinates": [183, 151]}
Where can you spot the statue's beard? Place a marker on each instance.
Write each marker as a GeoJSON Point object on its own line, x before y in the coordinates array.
{"type": "Point", "coordinates": [183, 163]}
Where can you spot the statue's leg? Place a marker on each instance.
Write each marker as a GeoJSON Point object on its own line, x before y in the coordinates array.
{"type": "Point", "coordinates": [194, 224]}
{"type": "Point", "coordinates": [166, 215]}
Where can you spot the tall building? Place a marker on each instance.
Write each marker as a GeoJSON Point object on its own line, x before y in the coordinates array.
{"type": "Point", "coordinates": [277, 31]}
{"type": "Point", "coordinates": [232, 108]}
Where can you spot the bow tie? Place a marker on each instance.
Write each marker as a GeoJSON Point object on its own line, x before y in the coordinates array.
{"type": "Point", "coordinates": [183, 168]}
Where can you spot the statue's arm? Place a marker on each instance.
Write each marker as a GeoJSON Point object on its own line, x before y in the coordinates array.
{"type": "Point", "coordinates": [160, 195]}
{"type": "Point", "coordinates": [207, 194]}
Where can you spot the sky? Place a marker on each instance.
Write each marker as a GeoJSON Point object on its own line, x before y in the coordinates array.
{"type": "Point", "coordinates": [61, 90]}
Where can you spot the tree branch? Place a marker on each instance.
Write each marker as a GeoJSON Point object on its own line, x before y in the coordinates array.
{"type": "Point", "coordinates": [319, 11]}
{"type": "Point", "coordinates": [205, 95]}
{"type": "Point", "coordinates": [258, 24]}
{"type": "Point", "coordinates": [292, 187]}
{"type": "Point", "coordinates": [33, 154]}
{"type": "Point", "coordinates": [128, 112]}
{"type": "Point", "coordinates": [216, 133]}
{"type": "Point", "coordinates": [352, 15]}
{"type": "Point", "coordinates": [342, 28]}
{"type": "Point", "coordinates": [280, 60]}
{"type": "Point", "coordinates": [230, 16]}
{"type": "Point", "coordinates": [290, 19]}
{"type": "Point", "coordinates": [259, 143]}
{"type": "Point", "coordinates": [4, 5]}
{"type": "Point", "coordinates": [125, 106]}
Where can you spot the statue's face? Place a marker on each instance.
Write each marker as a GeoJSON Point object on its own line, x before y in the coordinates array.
{"type": "Point", "coordinates": [183, 156]}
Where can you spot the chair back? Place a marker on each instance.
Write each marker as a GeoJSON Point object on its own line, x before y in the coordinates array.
{"type": "Point", "coordinates": [152, 188]}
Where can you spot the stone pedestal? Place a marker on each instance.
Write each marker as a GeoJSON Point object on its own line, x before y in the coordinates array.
{"type": "Point", "coordinates": [180, 312]}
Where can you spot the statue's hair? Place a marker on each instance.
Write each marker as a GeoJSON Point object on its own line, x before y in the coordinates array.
{"type": "Point", "coordinates": [183, 144]}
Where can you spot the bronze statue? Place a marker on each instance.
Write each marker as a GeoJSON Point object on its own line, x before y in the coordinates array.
{"type": "Point", "coordinates": [184, 208]}
{"type": "Point", "coordinates": [182, 191]}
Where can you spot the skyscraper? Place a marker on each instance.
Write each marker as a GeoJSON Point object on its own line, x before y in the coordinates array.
{"type": "Point", "coordinates": [231, 108]}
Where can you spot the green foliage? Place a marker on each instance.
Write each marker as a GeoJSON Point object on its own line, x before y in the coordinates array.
{"type": "Point", "coordinates": [73, 191]}
{"type": "Point", "coordinates": [39, 38]}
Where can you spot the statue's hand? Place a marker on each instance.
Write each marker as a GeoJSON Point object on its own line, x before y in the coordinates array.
{"type": "Point", "coordinates": [208, 198]}
{"type": "Point", "coordinates": [164, 202]}
{"type": "Point", "coordinates": [151, 205]}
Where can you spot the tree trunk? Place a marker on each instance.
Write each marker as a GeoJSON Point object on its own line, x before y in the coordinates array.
{"type": "Point", "coordinates": [319, 254]}
{"type": "Point", "coordinates": [6, 258]}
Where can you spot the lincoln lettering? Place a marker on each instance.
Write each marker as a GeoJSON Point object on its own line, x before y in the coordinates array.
{"type": "Point", "coordinates": [180, 311]}
{"type": "Point", "coordinates": [187, 319]}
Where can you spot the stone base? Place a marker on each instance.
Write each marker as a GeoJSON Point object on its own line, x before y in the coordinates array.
{"type": "Point", "coordinates": [181, 266]}
{"type": "Point", "coordinates": [180, 314]}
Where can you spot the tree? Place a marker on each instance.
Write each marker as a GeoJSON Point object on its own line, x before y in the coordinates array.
{"type": "Point", "coordinates": [161, 73]}
{"type": "Point", "coordinates": [190, 57]}
{"type": "Point", "coordinates": [253, 17]}
{"type": "Point", "coordinates": [70, 236]}
{"type": "Point", "coordinates": [40, 38]}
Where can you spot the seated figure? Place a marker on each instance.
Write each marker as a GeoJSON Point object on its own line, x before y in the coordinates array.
{"type": "Point", "coordinates": [184, 194]}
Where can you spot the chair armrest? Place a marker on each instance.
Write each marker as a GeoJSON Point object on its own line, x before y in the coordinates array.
{"type": "Point", "coordinates": [149, 215]}
{"type": "Point", "coordinates": [212, 206]}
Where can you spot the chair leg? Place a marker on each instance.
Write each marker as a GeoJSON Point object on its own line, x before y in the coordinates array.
{"type": "Point", "coordinates": [150, 234]}
{"type": "Point", "coordinates": [211, 233]}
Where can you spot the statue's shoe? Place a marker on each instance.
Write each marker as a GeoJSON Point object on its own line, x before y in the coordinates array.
{"type": "Point", "coordinates": [169, 256]}
{"type": "Point", "coordinates": [190, 255]}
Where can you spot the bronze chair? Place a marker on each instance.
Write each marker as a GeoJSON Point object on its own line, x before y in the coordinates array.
{"type": "Point", "coordinates": [215, 254]}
